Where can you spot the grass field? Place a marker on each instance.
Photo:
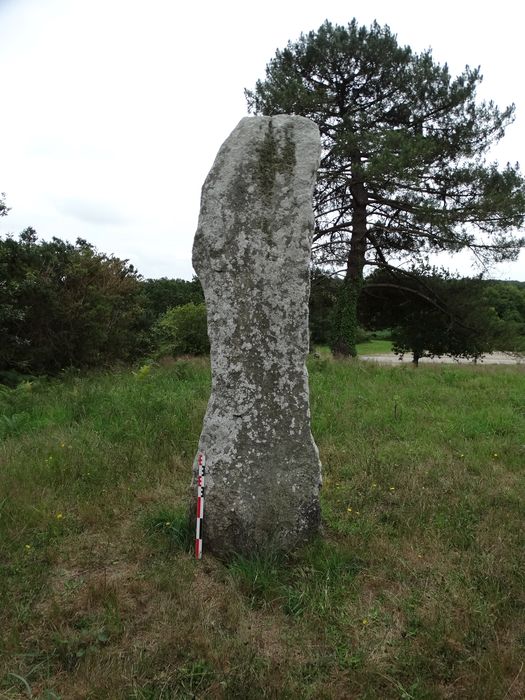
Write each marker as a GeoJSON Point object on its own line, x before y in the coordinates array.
{"type": "Point", "coordinates": [371, 347]}
{"type": "Point", "coordinates": [374, 347]}
{"type": "Point", "coordinates": [414, 590]}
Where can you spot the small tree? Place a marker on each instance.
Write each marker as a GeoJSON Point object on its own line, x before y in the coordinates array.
{"type": "Point", "coordinates": [183, 330]}
{"type": "Point", "coordinates": [432, 315]}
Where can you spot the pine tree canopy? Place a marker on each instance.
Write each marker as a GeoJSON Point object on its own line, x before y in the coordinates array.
{"type": "Point", "coordinates": [404, 170]}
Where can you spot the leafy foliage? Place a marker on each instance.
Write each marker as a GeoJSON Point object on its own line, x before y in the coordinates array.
{"type": "Point", "coordinates": [434, 314]}
{"type": "Point", "coordinates": [65, 305]}
{"type": "Point", "coordinates": [403, 171]}
{"type": "Point", "coordinates": [508, 301]}
{"type": "Point", "coordinates": [183, 330]}
{"type": "Point", "coordinates": [3, 206]}
{"type": "Point", "coordinates": [163, 294]}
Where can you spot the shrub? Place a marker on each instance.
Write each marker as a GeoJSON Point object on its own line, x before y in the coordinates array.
{"type": "Point", "coordinates": [183, 330]}
{"type": "Point", "coordinates": [362, 335]}
{"type": "Point", "coordinates": [383, 334]}
{"type": "Point", "coordinates": [65, 305]}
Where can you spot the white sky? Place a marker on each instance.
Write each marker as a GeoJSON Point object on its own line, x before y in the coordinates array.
{"type": "Point", "coordinates": [113, 110]}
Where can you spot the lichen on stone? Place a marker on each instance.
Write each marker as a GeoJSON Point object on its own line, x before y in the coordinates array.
{"type": "Point", "coordinates": [275, 155]}
{"type": "Point", "coordinates": [252, 253]}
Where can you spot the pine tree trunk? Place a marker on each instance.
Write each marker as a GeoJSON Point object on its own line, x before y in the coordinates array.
{"type": "Point", "coordinates": [344, 339]}
{"type": "Point", "coordinates": [345, 323]}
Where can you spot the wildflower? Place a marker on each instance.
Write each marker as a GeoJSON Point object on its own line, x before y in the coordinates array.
{"type": "Point", "coordinates": [59, 516]}
{"type": "Point", "coordinates": [349, 510]}
{"type": "Point", "coordinates": [167, 524]}
{"type": "Point", "coordinates": [365, 621]}
{"type": "Point", "coordinates": [27, 546]}
{"type": "Point", "coordinates": [495, 455]}
{"type": "Point", "coordinates": [462, 455]}
{"type": "Point", "coordinates": [392, 488]}
{"type": "Point", "coordinates": [374, 485]}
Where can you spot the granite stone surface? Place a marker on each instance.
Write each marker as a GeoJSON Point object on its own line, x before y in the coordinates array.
{"type": "Point", "coordinates": [251, 253]}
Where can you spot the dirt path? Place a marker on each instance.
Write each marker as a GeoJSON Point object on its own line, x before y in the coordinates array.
{"type": "Point", "coordinates": [495, 358]}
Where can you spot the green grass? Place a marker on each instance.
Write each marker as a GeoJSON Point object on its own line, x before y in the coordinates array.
{"type": "Point", "coordinates": [414, 589]}
{"type": "Point", "coordinates": [374, 347]}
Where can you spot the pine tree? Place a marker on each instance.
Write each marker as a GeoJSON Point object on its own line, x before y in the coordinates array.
{"type": "Point", "coordinates": [403, 172]}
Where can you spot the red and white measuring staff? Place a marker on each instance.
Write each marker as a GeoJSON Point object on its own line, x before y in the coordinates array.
{"type": "Point", "coordinates": [201, 462]}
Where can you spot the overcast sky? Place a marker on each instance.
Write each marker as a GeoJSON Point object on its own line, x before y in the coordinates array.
{"type": "Point", "coordinates": [113, 110]}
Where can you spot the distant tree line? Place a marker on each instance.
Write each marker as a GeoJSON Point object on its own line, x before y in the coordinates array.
{"type": "Point", "coordinates": [65, 305]}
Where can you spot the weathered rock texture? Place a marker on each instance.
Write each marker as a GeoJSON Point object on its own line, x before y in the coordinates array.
{"type": "Point", "coordinates": [251, 253]}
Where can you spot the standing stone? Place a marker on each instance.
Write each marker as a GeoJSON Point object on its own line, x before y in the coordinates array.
{"type": "Point", "coordinates": [251, 253]}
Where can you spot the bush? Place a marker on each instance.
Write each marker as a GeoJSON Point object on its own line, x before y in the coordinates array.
{"type": "Point", "coordinates": [65, 305]}
{"type": "Point", "coordinates": [383, 334]}
{"type": "Point", "coordinates": [362, 335]}
{"type": "Point", "coordinates": [183, 330]}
